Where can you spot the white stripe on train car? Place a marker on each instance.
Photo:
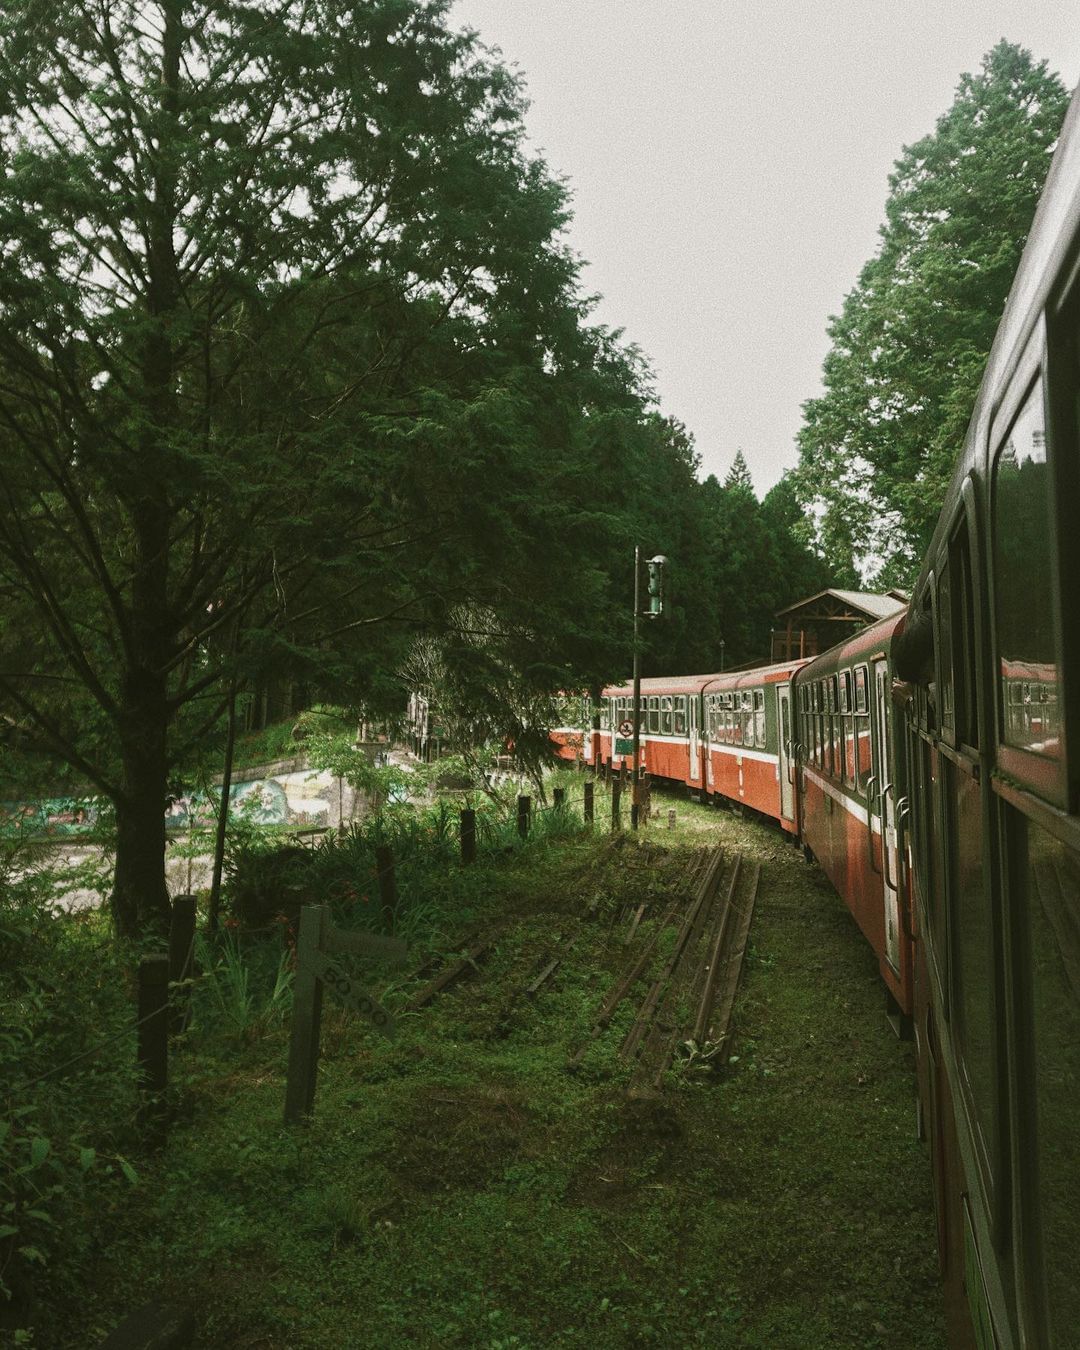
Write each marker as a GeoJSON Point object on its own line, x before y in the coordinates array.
{"type": "Point", "coordinates": [831, 790]}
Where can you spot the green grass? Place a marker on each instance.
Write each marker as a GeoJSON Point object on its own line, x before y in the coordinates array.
{"type": "Point", "coordinates": [458, 1188]}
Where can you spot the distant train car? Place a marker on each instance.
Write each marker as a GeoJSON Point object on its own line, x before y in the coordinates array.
{"type": "Point", "coordinates": [749, 740]}
{"type": "Point", "coordinates": [853, 794]}
{"type": "Point", "coordinates": [671, 735]}
{"type": "Point", "coordinates": [722, 735]}
{"type": "Point", "coordinates": [572, 736]}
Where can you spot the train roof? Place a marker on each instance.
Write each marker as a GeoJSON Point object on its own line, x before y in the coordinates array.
{"type": "Point", "coordinates": [1053, 230]}
{"type": "Point", "coordinates": [860, 647]}
{"type": "Point", "coordinates": [696, 684]}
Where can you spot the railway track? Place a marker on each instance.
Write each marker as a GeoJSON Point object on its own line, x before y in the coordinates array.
{"type": "Point", "coordinates": [688, 996]}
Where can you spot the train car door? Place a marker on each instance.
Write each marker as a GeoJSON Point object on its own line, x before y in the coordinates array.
{"type": "Point", "coordinates": [783, 727]}
{"type": "Point", "coordinates": [693, 704]}
{"type": "Point", "coordinates": [883, 812]}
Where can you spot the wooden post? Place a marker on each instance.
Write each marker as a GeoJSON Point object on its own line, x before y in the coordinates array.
{"type": "Point", "coordinates": [589, 788]}
{"type": "Point", "coordinates": [306, 1017]}
{"type": "Point", "coordinates": [558, 798]}
{"type": "Point", "coordinates": [616, 793]}
{"type": "Point", "coordinates": [153, 1033]}
{"type": "Point", "coordinates": [524, 811]}
{"type": "Point", "coordinates": [468, 835]}
{"type": "Point", "coordinates": [671, 818]}
{"type": "Point", "coordinates": [384, 863]}
{"type": "Point", "coordinates": [181, 959]}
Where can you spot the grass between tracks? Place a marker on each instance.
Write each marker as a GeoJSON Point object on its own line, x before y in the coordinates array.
{"type": "Point", "coordinates": [458, 1188]}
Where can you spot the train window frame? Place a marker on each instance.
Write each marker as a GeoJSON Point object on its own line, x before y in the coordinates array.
{"type": "Point", "coordinates": [665, 714]}
{"type": "Point", "coordinates": [678, 715]}
{"type": "Point", "coordinates": [760, 721]}
{"type": "Point", "coordinates": [1046, 776]}
{"type": "Point", "coordinates": [861, 675]}
{"type": "Point", "coordinates": [944, 652]}
{"type": "Point", "coordinates": [845, 691]}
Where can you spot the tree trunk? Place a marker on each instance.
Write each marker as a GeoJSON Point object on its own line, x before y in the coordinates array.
{"type": "Point", "coordinates": [223, 815]}
{"type": "Point", "coordinates": [140, 901]}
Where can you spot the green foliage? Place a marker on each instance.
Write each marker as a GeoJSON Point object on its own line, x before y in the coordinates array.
{"type": "Point", "coordinates": [65, 1121]}
{"type": "Point", "coordinates": [242, 988]}
{"type": "Point", "coordinates": [909, 347]}
{"type": "Point", "coordinates": [462, 1183]}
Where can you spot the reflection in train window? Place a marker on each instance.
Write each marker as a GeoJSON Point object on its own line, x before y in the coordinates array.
{"type": "Point", "coordinates": [1023, 584]}
{"type": "Point", "coordinates": [1051, 881]}
{"type": "Point", "coordinates": [862, 702]}
{"type": "Point", "coordinates": [680, 715]}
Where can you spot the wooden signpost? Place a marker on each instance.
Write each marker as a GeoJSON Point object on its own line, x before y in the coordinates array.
{"type": "Point", "coordinates": [318, 944]}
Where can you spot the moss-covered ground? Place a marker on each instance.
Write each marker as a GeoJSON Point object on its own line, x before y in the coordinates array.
{"type": "Point", "coordinates": [458, 1187]}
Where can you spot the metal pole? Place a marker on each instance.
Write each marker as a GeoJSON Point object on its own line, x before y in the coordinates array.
{"type": "Point", "coordinates": [635, 798]}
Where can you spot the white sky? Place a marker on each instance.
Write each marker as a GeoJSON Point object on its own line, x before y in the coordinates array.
{"type": "Point", "coordinates": [729, 164]}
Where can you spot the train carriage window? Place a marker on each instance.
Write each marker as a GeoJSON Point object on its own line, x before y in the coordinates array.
{"type": "Point", "coordinates": [665, 715]}
{"type": "Point", "coordinates": [847, 741]}
{"type": "Point", "coordinates": [862, 702]}
{"type": "Point", "coordinates": [863, 751]}
{"type": "Point", "coordinates": [679, 715]}
{"type": "Point", "coordinates": [944, 612]}
{"type": "Point", "coordinates": [759, 718]}
{"type": "Point", "coordinates": [1023, 591]}
{"type": "Point", "coordinates": [963, 629]}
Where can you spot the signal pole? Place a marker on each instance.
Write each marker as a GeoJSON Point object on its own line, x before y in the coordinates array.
{"type": "Point", "coordinates": [636, 792]}
{"type": "Point", "coordinates": [656, 610]}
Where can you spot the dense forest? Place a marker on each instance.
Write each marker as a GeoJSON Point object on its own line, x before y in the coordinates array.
{"type": "Point", "coordinates": [909, 346]}
{"type": "Point", "coordinates": [296, 370]}
{"type": "Point", "coordinates": [294, 367]}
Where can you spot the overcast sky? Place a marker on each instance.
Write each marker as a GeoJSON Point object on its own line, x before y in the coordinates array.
{"type": "Point", "coordinates": [729, 162]}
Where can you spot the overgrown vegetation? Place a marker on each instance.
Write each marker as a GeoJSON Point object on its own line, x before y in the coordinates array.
{"type": "Point", "coordinates": [458, 1187]}
{"type": "Point", "coordinates": [909, 347]}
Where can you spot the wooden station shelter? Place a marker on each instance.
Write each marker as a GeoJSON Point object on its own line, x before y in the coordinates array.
{"type": "Point", "coordinates": [816, 624]}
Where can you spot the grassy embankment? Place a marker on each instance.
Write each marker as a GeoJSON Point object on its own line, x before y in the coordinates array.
{"type": "Point", "coordinates": [458, 1188]}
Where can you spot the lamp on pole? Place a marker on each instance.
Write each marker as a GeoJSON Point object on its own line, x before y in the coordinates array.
{"type": "Point", "coordinates": [655, 610]}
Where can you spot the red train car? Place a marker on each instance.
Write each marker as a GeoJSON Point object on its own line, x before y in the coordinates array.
{"type": "Point", "coordinates": [671, 735]}
{"type": "Point", "coordinates": [723, 735]}
{"type": "Point", "coordinates": [749, 740]}
{"type": "Point", "coordinates": [853, 794]}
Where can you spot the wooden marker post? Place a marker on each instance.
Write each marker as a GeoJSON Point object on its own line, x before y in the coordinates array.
{"type": "Point", "coordinates": [558, 798]}
{"type": "Point", "coordinates": [524, 812]}
{"type": "Point", "coordinates": [306, 1016]}
{"type": "Point", "coordinates": [468, 836]}
{"type": "Point", "coordinates": [589, 789]}
{"type": "Point", "coordinates": [616, 793]}
{"type": "Point", "coordinates": [317, 946]}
